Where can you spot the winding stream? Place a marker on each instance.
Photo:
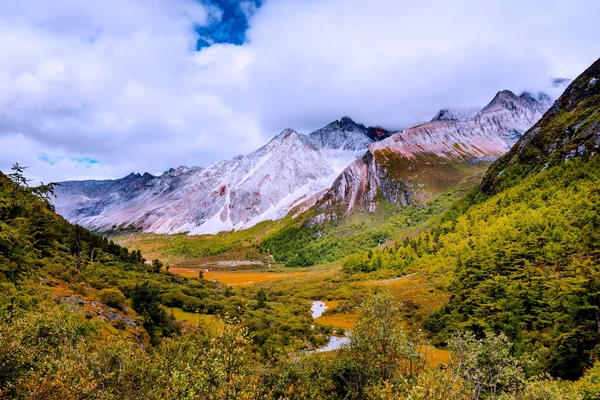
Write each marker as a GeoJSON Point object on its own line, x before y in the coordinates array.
{"type": "Point", "coordinates": [317, 308]}
{"type": "Point", "coordinates": [335, 343]}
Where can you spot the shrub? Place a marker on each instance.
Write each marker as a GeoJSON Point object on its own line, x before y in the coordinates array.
{"type": "Point", "coordinates": [112, 297]}
{"type": "Point", "coordinates": [589, 384]}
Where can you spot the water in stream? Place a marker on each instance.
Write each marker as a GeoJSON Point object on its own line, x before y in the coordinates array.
{"type": "Point", "coordinates": [317, 309]}
{"type": "Point", "coordinates": [335, 342]}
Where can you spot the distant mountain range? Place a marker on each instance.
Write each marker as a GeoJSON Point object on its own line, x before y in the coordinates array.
{"type": "Point", "coordinates": [333, 169]}
{"type": "Point", "coordinates": [232, 194]}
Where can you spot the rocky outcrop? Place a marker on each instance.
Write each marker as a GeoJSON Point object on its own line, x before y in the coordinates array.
{"type": "Point", "coordinates": [125, 320]}
{"type": "Point", "coordinates": [346, 134]}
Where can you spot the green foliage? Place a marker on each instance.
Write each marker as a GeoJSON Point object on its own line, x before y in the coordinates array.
{"type": "Point", "coordinates": [145, 299]}
{"type": "Point", "coordinates": [486, 365]}
{"type": "Point", "coordinates": [544, 388]}
{"type": "Point", "coordinates": [261, 299]}
{"type": "Point", "coordinates": [207, 367]}
{"type": "Point", "coordinates": [157, 266]}
{"type": "Point", "coordinates": [112, 297]}
{"type": "Point", "coordinates": [357, 263]}
{"type": "Point", "coordinates": [379, 342]}
{"type": "Point", "coordinates": [589, 384]}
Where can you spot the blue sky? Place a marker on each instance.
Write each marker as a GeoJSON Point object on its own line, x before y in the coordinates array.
{"type": "Point", "coordinates": [92, 89]}
{"type": "Point", "coordinates": [231, 27]}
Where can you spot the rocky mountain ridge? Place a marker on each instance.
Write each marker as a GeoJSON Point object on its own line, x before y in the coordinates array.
{"type": "Point", "coordinates": [569, 129]}
{"type": "Point", "coordinates": [230, 194]}
{"type": "Point", "coordinates": [413, 165]}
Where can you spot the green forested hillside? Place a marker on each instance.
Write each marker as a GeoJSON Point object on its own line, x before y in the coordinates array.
{"type": "Point", "coordinates": [521, 255]}
{"type": "Point", "coordinates": [33, 236]}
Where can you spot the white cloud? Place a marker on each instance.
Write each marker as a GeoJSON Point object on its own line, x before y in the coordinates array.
{"type": "Point", "coordinates": [119, 81]}
{"type": "Point", "coordinates": [396, 62]}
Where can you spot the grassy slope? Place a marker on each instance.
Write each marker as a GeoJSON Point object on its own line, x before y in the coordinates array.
{"type": "Point", "coordinates": [428, 175]}
{"type": "Point", "coordinates": [300, 244]}
{"type": "Point", "coordinates": [185, 250]}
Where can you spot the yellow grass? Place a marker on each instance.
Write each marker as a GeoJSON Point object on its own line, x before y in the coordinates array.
{"type": "Point", "coordinates": [234, 278]}
{"type": "Point", "coordinates": [332, 305]}
{"type": "Point", "coordinates": [187, 272]}
{"type": "Point", "coordinates": [338, 320]}
{"type": "Point", "coordinates": [412, 289]}
{"type": "Point", "coordinates": [194, 319]}
{"type": "Point", "coordinates": [435, 356]}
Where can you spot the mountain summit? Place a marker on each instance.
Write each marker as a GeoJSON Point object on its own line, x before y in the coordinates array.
{"type": "Point", "coordinates": [346, 134]}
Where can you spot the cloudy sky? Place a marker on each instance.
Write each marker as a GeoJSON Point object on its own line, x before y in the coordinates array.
{"type": "Point", "coordinates": [98, 89]}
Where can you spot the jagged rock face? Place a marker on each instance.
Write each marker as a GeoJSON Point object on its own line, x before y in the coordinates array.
{"type": "Point", "coordinates": [346, 134]}
{"type": "Point", "coordinates": [227, 195]}
{"type": "Point", "coordinates": [412, 165]}
{"type": "Point", "coordinates": [570, 128]}
{"type": "Point", "coordinates": [360, 184]}
{"type": "Point", "coordinates": [123, 189]}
